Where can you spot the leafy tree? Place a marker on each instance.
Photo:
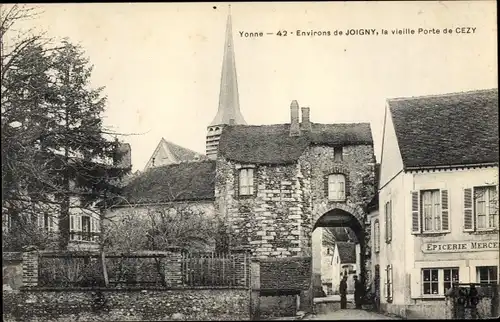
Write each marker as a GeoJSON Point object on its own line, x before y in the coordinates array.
{"type": "Point", "coordinates": [54, 145]}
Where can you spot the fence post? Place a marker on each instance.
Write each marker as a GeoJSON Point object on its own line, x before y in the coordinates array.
{"type": "Point", "coordinates": [173, 267]}
{"type": "Point", "coordinates": [255, 289]}
{"type": "Point", "coordinates": [30, 266]}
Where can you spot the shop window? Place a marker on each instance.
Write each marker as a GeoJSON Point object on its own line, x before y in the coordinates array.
{"type": "Point", "coordinates": [436, 281]}
{"type": "Point", "coordinates": [487, 274]}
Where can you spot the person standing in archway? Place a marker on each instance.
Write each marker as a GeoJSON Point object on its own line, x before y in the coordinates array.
{"type": "Point", "coordinates": [358, 292]}
{"type": "Point", "coordinates": [343, 292]}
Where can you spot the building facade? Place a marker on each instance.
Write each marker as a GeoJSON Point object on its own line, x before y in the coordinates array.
{"type": "Point", "coordinates": [438, 199]}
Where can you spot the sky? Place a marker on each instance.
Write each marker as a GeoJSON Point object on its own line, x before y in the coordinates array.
{"type": "Point", "coordinates": [160, 63]}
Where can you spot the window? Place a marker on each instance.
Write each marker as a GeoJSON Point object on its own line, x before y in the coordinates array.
{"type": "Point", "coordinates": [388, 283]}
{"type": "Point", "coordinates": [376, 236]}
{"type": "Point", "coordinates": [337, 153]}
{"type": "Point", "coordinates": [430, 212]}
{"type": "Point", "coordinates": [83, 227]}
{"type": "Point", "coordinates": [246, 182]}
{"type": "Point", "coordinates": [388, 222]}
{"type": "Point", "coordinates": [487, 274]}
{"type": "Point", "coordinates": [437, 281]}
{"type": "Point", "coordinates": [486, 208]}
{"type": "Point", "coordinates": [336, 187]}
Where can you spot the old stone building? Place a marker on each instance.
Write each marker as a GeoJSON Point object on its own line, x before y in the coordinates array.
{"type": "Point", "coordinates": [272, 185]}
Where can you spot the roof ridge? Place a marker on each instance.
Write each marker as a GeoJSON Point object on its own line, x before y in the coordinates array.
{"type": "Point", "coordinates": [468, 92]}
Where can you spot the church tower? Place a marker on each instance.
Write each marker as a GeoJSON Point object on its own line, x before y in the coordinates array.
{"type": "Point", "coordinates": [229, 104]}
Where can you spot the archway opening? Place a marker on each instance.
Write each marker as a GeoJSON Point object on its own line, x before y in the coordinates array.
{"type": "Point", "coordinates": [338, 248]}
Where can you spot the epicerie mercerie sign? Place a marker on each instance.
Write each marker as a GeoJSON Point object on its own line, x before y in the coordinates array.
{"type": "Point", "coordinates": [459, 247]}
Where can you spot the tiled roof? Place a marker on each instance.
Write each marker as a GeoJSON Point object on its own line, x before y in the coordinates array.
{"type": "Point", "coordinates": [447, 130]}
{"type": "Point", "coordinates": [347, 252]}
{"type": "Point", "coordinates": [183, 154]}
{"type": "Point", "coordinates": [175, 182]}
{"type": "Point", "coordinates": [272, 144]}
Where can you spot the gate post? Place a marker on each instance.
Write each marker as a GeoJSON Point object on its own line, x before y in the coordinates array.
{"type": "Point", "coordinates": [30, 266]}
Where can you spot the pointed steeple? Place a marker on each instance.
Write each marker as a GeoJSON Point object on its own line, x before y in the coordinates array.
{"type": "Point", "coordinates": [229, 103]}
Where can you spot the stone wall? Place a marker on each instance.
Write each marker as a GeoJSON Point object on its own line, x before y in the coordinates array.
{"type": "Point", "coordinates": [119, 305]}
{"type": "Point", "coordinates": [271, 222]}
{"type": "Point", "coordinates": [285, 273]}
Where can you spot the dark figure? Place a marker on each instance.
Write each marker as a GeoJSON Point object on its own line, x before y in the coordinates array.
{"type": "Point", "coordinates": [358, 292]}
{"type": "Point", "coordinates": [473, 301]}
{"type": "Point", "coordinates": [343, 292]}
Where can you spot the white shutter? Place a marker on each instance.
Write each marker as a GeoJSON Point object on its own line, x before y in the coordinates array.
{"type": "Point", "coordinates": [445, 218]}
{"type": "Point", "coordinates": [415, 283]}
{"type": "Point", "coordinates": [415, 213]}
{"type": "Point", "coordinates": [468, 212]}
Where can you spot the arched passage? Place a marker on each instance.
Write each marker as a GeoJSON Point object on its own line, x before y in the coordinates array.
{"type": "Point", "coordinates": [340, 225]}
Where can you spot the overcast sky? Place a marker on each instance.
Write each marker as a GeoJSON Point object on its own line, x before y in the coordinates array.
{"type": "Point", "coordinates": [161, 62]}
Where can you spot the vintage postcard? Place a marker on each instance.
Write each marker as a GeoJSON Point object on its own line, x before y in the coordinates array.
{"type": "Point", "coordinates": [250, 161]}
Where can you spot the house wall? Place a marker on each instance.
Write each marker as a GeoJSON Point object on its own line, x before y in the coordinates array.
{"type": "Point", "coordinates": [391, 161]}
{"type": "Point", "coordinates": [466, 261]}
{"type": "Point", "coordinates": [395, 252]}
{"type": "Point", "coordinates": [327, 268]}
{"type": "Point", "coordinates": [272, 222]}
{"type": "Point", "coordinates": [410, 253]}
{"type": "Point", "coordinates": [336, 271]}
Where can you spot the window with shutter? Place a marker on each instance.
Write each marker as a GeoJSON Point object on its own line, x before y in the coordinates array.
{"type": "Point", "coordinates": [431, 210]}
{"type": "Point", "coordinates": [485, 208]}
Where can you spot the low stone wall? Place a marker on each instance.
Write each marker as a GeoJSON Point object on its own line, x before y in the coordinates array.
{"type": "Point", "coordinates": [278, 306]}
{"type": "Point", "coordinates": [129, 304]}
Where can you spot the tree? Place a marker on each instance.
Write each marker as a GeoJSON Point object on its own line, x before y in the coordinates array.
{"type": "Point", "coordinates": [55, 149]}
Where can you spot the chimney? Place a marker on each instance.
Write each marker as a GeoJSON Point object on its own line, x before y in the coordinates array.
{"type": "Point", "coordinates": [306, 121]}
{"type": "Point", "coordinates": [294, 124]}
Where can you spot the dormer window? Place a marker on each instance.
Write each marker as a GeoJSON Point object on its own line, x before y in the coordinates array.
{"type": "Point", "coordinates": [337, 154]}
{"type": "Point", "coordinates": [246, 182]}
{"type": "Point", "coordinates": [336, 187]}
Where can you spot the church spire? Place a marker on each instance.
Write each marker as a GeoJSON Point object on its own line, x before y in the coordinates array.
{"type": "Point", "coordinates": [228, 112]}
{"type": "Point", "coordinates": [229, 103]}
